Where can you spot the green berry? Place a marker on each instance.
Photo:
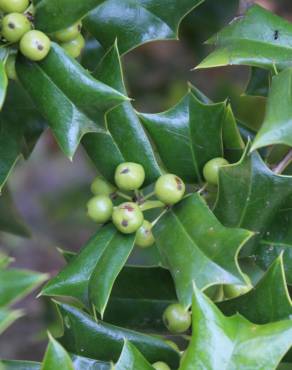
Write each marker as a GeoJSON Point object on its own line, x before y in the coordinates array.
{"type": "Point", "coordinates": [169, 189]}
{"type": "Point", "coordinates": [144, 236]}
{"type": "Point", "coordinates": [211, 170]}
{"type": "Point", "coordinates": [74, 47]}
{"type": "Point", "coordinates": [160, 366]}
{"type": "Point", "coordinates": [17, 6]}
{"type": "Point", "coordinates": [102, 187]}
{"type": "Point", "coordinates": [100, 208]}
{"type": "Point", "coordinates": [69, 33]}
{"type": "Point", "coordinates": [232, 291]}
{"type": "Point", "coordinates": [35, 45]}
{"type": "Point", "coordinates": [127, 217]}
{"type": "Point", "coordinates": [129, 176]}
{"type": "Point", "coordinates": [176, 318]}
{"type": "Point", "coordinates": [10, 67]}
{"type": "Point", "coordinates": [14, 26]}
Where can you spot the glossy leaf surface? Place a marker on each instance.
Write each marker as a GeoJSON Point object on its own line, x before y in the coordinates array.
{"type": "Point", "coordinates": [196, 247]}
{"type": "Point", "coordinates": [7, 317]}
{"type": "Point", "coordinates": [56, 357]}
{"type": "Point", "coordinates": [131, 359]}
{"type": "Point", "coordinates": [3, 84]}
{"type": "Point", "coordinates": [258, 38]}
{"type": "Point", "coordinates": [220, 342]}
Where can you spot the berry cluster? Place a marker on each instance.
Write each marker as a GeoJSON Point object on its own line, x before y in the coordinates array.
{"type": "Point", "coordinates": [17, 28]}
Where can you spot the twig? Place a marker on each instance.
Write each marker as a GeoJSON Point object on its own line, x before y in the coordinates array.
{"type": "Point", "coordinates": [284, 163]}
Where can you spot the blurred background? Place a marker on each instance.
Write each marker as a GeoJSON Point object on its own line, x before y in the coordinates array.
{"type": "Point", "coordinates": [50, 192]}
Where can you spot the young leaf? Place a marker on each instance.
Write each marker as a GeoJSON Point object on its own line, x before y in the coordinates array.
{"type": "Point", "coordinates": [98, 254]}
{"type": "Point", "coordinates": [277, 126]}
{"type": "Point", "coordinates": [7, 317]}
{"type": "Point", "coordinates": [56, 357]}
{"type": "Point", "coordinates": [15, 284]}
{"type": "Point", "coordinates": [124, 139]}
{"type": "Point", "coordinates": [86, 337]}
{"type": "Point", "coordinates": [196, 247]}
{"type": "Point", "coordinates": [269, 301]}
{"type": "Point", "coordinates": [220, 342]}
{"type": "Point", "coordinates": [244, 198]}
{"type": "Point", "coordinates": [193, 131]}
{"type": "Point", "coordinates": [131, 359]}
{"type": "Point", "coordinates": [72, 101]}
{"type": "Point", "coordinates": [259, 38]}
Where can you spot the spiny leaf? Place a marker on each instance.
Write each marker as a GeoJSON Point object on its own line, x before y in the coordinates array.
{"type": "Point", "coordinates": [56, 357]}
{"type": "Point", "coordinates": [131, 359]}
{"type": "Point", "coordinates": [7, 317]}
{"type": "Point", "coordinates": [124, 139]}
{"type": "Point", "coordinates": [277, 126]}
{"type": "Point", "coordinates": [96, 339]}
{"type": "Point", "coordinates": [259, 38]}
{"type": "Point", "coordinates": [3, 84]}
{"type": "Point", "coordinates": [196, 247]}
{"type": "Point", "coordinates": [269, 301]}
{"type": "Point", "coordinates": [72, 101]}
{"type": "Point", "coordinates": [220, 342]}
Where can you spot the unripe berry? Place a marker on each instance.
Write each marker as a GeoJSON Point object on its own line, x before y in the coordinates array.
{"type": "Point", "coordinates": [144, 236]}
{"type": "Point", "coordinates": [169, 189]}
{"type": "Point", "coordinates": [35, 45]}
{"type": "Point", "coordinates": [14, 26]}
{"type": "Point", "coordinates": [74, 47]}
{"type": "Point", "coordinates": [17, 6]}
{"type": "Point", "coordinates": [129, 176]}
{"type": "Point", "coordinates": [69, 33]}
{"type": "Point", "coordinates": [211, 170]}
{"type": "Point", "coordinates": [160, 366]}
{"type": "Point", "coordinates": [101, 187]}
{"type": "Point", "coordinates": [176, 318]}
{"type": "Point", "coordinates": [127, 217]}
{"type": "Point", "coordinates": [100, 208]}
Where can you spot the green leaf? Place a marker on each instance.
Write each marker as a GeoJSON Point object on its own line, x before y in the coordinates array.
{"type": "Point", "coordinates": [131, 359]}
{"type": "Point", "coordinates": [3, 84]}
{"type": "Point", "coordinates": [98, 253]}
{"type": "Point", "coordinates": [56, 357]}
{"type": "Point", "coordinates": [17, 139]}
{"type": "Point", "coordinates": [54, 15]}
{"type": "Point", "coordinates": [72, 101]}
{"type": "Point", "coordinates": [96, 339]}
{"type": "Point", "coordinates": [196, 247]}
{"type": "Point", "coordinates": [244, 198]}
{"type": "Point", "coordinates": [193, 131]}
{"type": "Point", "coordinates": [259, 82]}
{"type": "Point", "coordinates": [10, 220]}
{"type": "Point", "coordinates": [259, 38]}
{"type": "Point", "coordinates": [277, 126]}
{"type": "Point", "coordinates": [15, 284]}
{"type": "Point", "coordinates": [220, 342]}
{"type": "Point", "coordinates": [20, 365]}
{"type": "Point", "coordinates": [269, 301]}
{"type": "Point", "coordinates": [7, 317]}
{"type": "Point", "coordinates": [124, 139]}
{"type": "Point", "coordinates": [142, 21]}
{"type": "Point", "coordinates": [137, 301]}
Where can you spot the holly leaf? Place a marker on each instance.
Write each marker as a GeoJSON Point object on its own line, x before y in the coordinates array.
{"type": "Point", "coordinates": [259, 82]}
{"type": "Point", "coordinates": [10, 219]}
{"type": "Point", "coordinates": [72, 101]}
{"type": "Point", "coordinates": [193, 131]}
{"type": "Point", "coordinates": [16, 139]}
{"type": "Point", "coordinates": [196, 247]}
{"type": "Point", "coordinates": [220, 342]}
{"type": "Point", "coordinates": [259, 38]}
{"type": "Point", "coordinates": [277, 126]}
{"type": "Point", "coordinates": [106, 253]}
{"type": "Point", "coordinates": [3, 84]}
{"type": "Point", "coordinates": [15, 284]}
{"type": "Point", "coordinates": [7, 317]}
{"type": "Point", "coordinates": [137, 301]}
{"type": "Point", "coordinates": [124, 139]}
{"type": "Point", "coordinates": [97, 339]}
{"type": "Point", "coordinates": [131, 359]}
{"type": "Point", "coordinates": [269, 301]}
{"type": "Point", "coordinates": [244, 198]}
{"type": "Point", "coordinates": [56, 357]}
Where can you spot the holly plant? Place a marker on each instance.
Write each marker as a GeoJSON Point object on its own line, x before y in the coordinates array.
{"type": "Point", "coordinates": [203, 188]}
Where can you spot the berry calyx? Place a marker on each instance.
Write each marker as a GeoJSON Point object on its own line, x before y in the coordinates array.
{"type": "Point", "coordinates": [35, 45]}
{"type": "Point", "coordinates": [211, 170]}
{"type": "Point", "coordinates": [176, 318]}
{"type": "Point", "coordinates": [160, 366]}
{"type": "Point", "coordinates": [10, 67]}
{"type": "Point", "coordinates": [129, 176]}
{"type": "Point", "coordinates": [144, 236]}
{"type": "Point", "coordinates": [14, 26]}
{"type": "Point", "coordinates": [169, 189]}
{"type": "Point", "coordinates": [100, 208]}
{"type": "Point", "coordinates": [127, 217]}
{"type": "Point", "coordinates": [68, 33]}
{"type": "Point", "coordinates": [17, 6]}
{"type": "Point", "coordinates": [74, 47]}
{"type": "Point", "coordinates": [100, 186]}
